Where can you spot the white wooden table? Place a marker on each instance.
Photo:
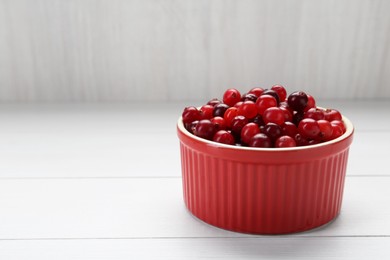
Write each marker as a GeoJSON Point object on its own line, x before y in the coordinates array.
{"type": "Point", "coordinates": [103, 182]}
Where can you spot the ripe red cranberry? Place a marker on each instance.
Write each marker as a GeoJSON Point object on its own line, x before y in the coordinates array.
{"type": "Point", "coordinates": [265, 101]}
{"type": "Point", "coordinates": [214, 101]}
{"type": "Point", "coordinates": [219, 123]}
{"type": "Point", "coordinates": [224, 137]}
{"type": "Point", "coordinates": [289, 128]}
{"type": "Point", "coordinates": [288, 113]}
{"type": "Point", "coordinates": [315, 113]}
{"type": "Point", "coordinates": [272, 93]}
{"type": "Point", "coordinates": [340, 123]}
{"type": "Point", "coordinates": [190, 114]}
{"type": "Point", "coordinates": [332, 114]}
{"type": "Point", "coordinates": [274, 115]}
{"type": "Point", "coordinates": [285, 141]}
{"type": "Point", "coordinates": [248, 131]}
{"type": "Point", "coordinates": [238, 123]}
{"type": "Point", "coordinates": [256, 91]}
{"type": "Point", "coordinates": [219, 109]}
{"type": "Point", "coordinates": [272, 130]}
{"type": "Point", "coordinates": [229, 115]}
{"type": "Point", "coordinates": [238, 104]}
{"type": "Point", "coordinates": [249, 97]}
{"type": "Point", "coordinates": [282, 93]}
{"type": "Point", "coordinates": [300, 140]}
{"type": "Point", "coordinates": [326, 130]}
{"type": "Point", "coordinates": [231, 96]}
{"type": "Point", "coordinates": [309, 128]}
{"type": "Point", "coordinates": [247, 109]}
{"type": "Point", "coordinates": [205, 129]}
{"type": "Point", "coordinates": [310, 102]}
{"type": "Point", "coordinates": [297, 100]}
{"type": "Point", "coordinates": [260, 140]}
{"type": "Point", "coordinates": [337, 131]}
{"type": "Point", "coordinates": [206, 112]}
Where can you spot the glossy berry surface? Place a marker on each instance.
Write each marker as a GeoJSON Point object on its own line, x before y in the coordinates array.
{"type": "Point", "coordinates": [248, 131]}
{"type": "Point", "coordinates": [260, 140]}
{"type": "Point", "coordinates": [274, 115]}
{"type": "Point", "coordinates": [285, 141]}
{"type": "Point", "coordinates": [309, 128]}
{"type": "Point", "coordinates": [297, 100]}
{"type": "Point", "coordinates": [220, 109]}
{"type": "Point", "coordinates": [247, 109]}
{"type": "Point", "coordinates": [224, 137]}
{"type": "Point", "coordinates": [281, 91]}
{"type": "Point", "coordinates": [205, 129]}
{"type": "Point", "coordinates": [231, 97]}
{"type": "Point", "coordinates": [265, 101]}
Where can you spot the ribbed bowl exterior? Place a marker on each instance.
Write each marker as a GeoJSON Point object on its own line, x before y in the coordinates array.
{"type": "Point", "coordinates": [263, 191]}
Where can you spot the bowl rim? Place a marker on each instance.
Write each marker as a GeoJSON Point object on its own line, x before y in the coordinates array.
{"type": "Point", "coordinates": [349, 131]}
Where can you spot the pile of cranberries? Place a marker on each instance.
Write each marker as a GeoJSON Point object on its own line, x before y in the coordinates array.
{"type": "Point", "coordinates": [264, 118]}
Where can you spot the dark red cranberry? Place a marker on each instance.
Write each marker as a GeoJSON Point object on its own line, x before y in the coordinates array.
{"type": "Point", "coordinates": [249, 97]}
{"type": "Point", "coordinates": [297, 100]}
{"type": "Point", "coordinates": [220, 109]}
{"type": "Point", "coordinates": [238, 123]}
{"type": "Point", "coordinates": [205, 129]}
{"type": "Point", "coordinates": [300, 140]}
{"type": "Point", "coordinates": [258, 120]}
{"type": "Point", "coordinates": [297, 117]}
{"type": "Point", "coordinates": [273, 131]}
{"type": "Point", "coordinates": [260, 140]}
{"type": "Point", "coordinates": [190, 114]}
{"type": "Point", "coordinates": [224, 137]}
{"type": "Point", "coordinates": [289, 128]}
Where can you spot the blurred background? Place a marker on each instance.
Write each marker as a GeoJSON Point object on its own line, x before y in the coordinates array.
{"type": "Point", "coordinates": [182, 50]}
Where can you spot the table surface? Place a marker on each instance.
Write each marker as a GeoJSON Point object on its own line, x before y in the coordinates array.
{"type": "Point", "coordinates": [103, 181]}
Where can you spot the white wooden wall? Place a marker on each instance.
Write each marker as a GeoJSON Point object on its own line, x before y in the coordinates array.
{"type": "Point", "coordinates": [124, 50]}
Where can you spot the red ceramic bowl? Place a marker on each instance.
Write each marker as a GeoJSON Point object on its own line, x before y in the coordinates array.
{"type": "Point", "coordinates": [264, 190]}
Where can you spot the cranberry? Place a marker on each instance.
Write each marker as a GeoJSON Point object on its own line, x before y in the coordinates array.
{"type": "Point", "coordinates": [300, 140]}
{"type": "Point", "coordinates": [191, 126]}
{"type": "Point", "coordinates": [231, 96]}
{"type": "Point", "coordinates": [260, 140]}
{"type": "Point", "coordinates": [310, 102]}
{"type": "Point", "coordinates": [205, 129]}
{"type": "Point", "coordinates": [249, 97]}
{"type": "Point", "coordinates": [315, 113]}
{"type": "Point", "coordinates": [224, 137]}
{"type": "Point", "coordinates": [206, 112]}
{"type": "Point", "coordinates": [297, 100]}
{"type": "Point", "coordinates": [219, 109]}
{"type": "Point", "coordinates": [247, 109]}
{"type": "Point", "coordinates": [238, 123]}
{"type": "Point", "coordinates": [214, 101]}
{"type": "Point", "coordinates": [340, 123]}
{"type": "Point", "coordinates": [288, 113]}
{"type": "Point", "coordinates": [219, 122]}
{"type": "Point", "coordinates": [265, 101]}
{"type": "Point", "coordinates": [297, 117]}
{"type": "Point", "coordinates": [289, 128]}
{"type": "Point", "coordinates": [274, 115]}
{"type": "Point", "coordinates": [332, 114]}
{"type": "Point", "coordinates": [326, 130]}
{"type": "Point", "coordinates": [238, 104]}
{"type": "Point", "coordinates": [272, 130]}
{"type": "Point", "coordinates": [285, 141]}
{"type": "Point", "coordinates": [229, 115]}
{"type": "Point", "coordinates": [248, 131]}
{"type": "Point", "coordinates": [309, 128]}
{"type": "Point", "coordinates": [256, 91]}
{"type": "Point", "coordinates": [190, 114]}
{"type": "Point", "coordinates": [272, 93]}
{"type": "Point", "coordinates": [337, 131]}
{"type": "Point", "coordinates": [281, 91]}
